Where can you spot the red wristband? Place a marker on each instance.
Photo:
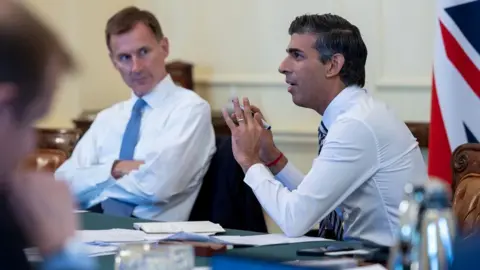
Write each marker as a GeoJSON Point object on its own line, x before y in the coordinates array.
{"type": "Point", "coordinates": [275, 161]}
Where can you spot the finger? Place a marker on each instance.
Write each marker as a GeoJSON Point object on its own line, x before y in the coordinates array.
{"type": "Point", "coordinates": [234, 118]}
{"type": "Point", "coordinates": [258, 118]}
{"type": "Point", "coordinates": [248, 111]}
{"type": "Point", "coordinates": [255, 110]}
{"type": "Point", "coordinates": [238, 112]}
{"type": "Point", "coordinates": [228, 120]}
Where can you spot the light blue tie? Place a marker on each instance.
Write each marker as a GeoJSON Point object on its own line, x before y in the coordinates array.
{"type": "Point", "coordinates": [130, 137]}
{"type": "Point", "coordinates": [129, 142]}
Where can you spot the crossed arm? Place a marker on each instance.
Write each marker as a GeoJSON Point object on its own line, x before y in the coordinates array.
{"type": "Point", "coordinates": [177, 156]}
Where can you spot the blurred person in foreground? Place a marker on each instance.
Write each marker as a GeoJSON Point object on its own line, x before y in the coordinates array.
{"type": "Point", "coordinates": [144, 157]}
{"type": "Point", "coordinates": [366, 154]}
{"type": "Point", "coordinates": [32, 61]}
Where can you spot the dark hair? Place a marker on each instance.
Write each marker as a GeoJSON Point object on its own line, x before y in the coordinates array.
{"type": "Point", "coordinates": [124, 20]}
{"type": "Point", "coordinates": [336, 35]}
{"type": "Point", "coordinates": [27, 47]}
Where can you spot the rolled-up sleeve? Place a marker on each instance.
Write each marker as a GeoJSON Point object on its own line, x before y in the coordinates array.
{"type": "Point", "coordinates": [348, 158]}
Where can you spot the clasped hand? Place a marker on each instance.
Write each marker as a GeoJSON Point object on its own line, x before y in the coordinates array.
{"type": "Point", "coordinates": [247, 135]}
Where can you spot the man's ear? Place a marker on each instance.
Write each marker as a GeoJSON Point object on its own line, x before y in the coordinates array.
{"type": "Point", "coordinates": [164, 44]}
{"type": "Point", "coordinates": [335, 65]}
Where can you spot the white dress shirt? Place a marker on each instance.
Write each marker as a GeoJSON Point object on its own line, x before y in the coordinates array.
{"type": "Point", "coordinates": [367, 157]}
{"type": "Point", "coordinates": [176, 142]}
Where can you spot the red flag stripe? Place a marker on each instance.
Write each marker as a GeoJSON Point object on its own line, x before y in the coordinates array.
{"type": "Point", "coordinates": [439, 152]}
{"type": "Point", "coordinates": [460, 60]}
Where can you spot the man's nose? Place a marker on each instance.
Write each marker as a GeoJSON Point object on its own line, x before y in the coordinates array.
{"type": "Point", "coordinates": [283, 68]}
{"type": "Point", "coordinates": [137, 64]}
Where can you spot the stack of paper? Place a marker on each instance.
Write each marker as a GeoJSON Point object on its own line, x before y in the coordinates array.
{"type": "Point", "coordinates": [176, 227]}
{"type": "Point", "coordinates": [369, 267]}
{"type": "Point", "coordinates": [251, 240]}
{"type": "Point", "coordinates": [120, 236]}
{"type": "Point", "coordinates": [266, 239]}
{"type": "Point", "coordinates": [334, 263]}
{"type": "Point", "coordinates": [111, 236]}
{"type": "Point", "coordinates": [177, 236]}
{"type": "Point", "coordinates": [92, 250]}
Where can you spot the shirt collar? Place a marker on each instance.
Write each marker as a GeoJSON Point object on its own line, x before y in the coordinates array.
{"type": "Point", "coordinates": [342, 102]}
{"type": "Point", "coordinates": [158, 94]}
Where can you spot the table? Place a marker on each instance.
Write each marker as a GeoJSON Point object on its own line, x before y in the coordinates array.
{"type": "Point", "coordinates": [95, 221]}
{"type": "Point", "coordinates": [287, 252]}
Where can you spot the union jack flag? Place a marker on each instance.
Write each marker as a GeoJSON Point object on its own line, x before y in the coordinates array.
{"type": "Point", "coordinates": [455, 113]}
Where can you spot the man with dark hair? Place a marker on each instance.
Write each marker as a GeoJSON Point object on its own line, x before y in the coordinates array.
{"type": "Point", "coordinates": [144, 157]}
{"type": "Point", "coordinates": [366, 154]}
{"type": "Point", "coordinates": [32, 61]}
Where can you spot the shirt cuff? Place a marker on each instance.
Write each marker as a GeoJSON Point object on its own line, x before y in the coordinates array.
{"type": "Point", "coordinates": [256, 174]}
{"type": "Point", "coordinates": [104, 172]}
{"type": "Point", "coordinates": [290, 176]}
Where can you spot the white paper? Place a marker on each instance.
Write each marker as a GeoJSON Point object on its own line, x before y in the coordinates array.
{"type": "Point", "coordinates": [116, 236]}
{"type": "Point", "coordinates": [369, 267]}
{"type": "Point", "coordinates": [267, 239]}
{"type": "Point", "coordinates": [94, 250]}
{"type": "Point", "coordinates": [341, 263]}
{"type": "Point", "coordinates": [348, 252]}
{"type": "Point", "coordinates": [175, 227]}
{"type": "Point", "coordinates": [162, 236]}
{"type": "Point", "coordinates": [33, 254]}
{"type": "Point", "coordinates": [111, 236]}
{"type": "Point", "coordinates": [79, 211]}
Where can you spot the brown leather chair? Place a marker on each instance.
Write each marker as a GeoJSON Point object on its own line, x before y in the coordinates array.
{"type": "Point", "coordinates": [466, 187]}
{"type": "Point", "coordinates": [62, 139]}
{"type": "Point", "coordinates": [45, 160]}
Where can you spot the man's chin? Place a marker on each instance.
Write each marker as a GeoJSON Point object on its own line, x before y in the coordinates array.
{"type": "Point", "coordinates": [141, 90]}
{"type": "Point", "coordinates": [297, 101]}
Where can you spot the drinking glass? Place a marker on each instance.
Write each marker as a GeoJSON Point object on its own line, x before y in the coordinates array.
{"type": "Point", "coordinates": [154, 256]}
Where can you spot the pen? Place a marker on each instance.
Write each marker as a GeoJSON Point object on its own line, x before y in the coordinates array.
{"type": "Point", "coordinates": [265, 124]}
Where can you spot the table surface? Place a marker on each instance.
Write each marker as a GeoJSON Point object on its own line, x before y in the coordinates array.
{"type": "Point", "coordinates": [286, 252]}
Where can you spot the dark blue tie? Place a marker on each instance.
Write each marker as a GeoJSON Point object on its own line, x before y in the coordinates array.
{"type": "Point", "coordinates": [127, 149]}
{"type": "Point", "coordinates": [331, 226]}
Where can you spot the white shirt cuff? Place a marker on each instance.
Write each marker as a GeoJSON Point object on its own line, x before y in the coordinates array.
{"type": "Point", "coordinates": [290, 176]}
{"type": "Point", "coordinates": [256, 174]}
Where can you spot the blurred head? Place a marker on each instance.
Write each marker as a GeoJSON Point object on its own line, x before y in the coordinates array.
{"type": "Point", "coordinates": [31, 62]}
{"type": "Point", "coordinates": [326, 53]}
{"type": "Point", "coordinates": [137, 48]}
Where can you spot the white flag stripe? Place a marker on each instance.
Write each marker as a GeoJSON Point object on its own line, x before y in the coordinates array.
{"type": "Point", "coordinates": [458, 103]}
{"type": "Point", "coordinates": [458, 35]}
{"type": "Point", "coordinates": [450, 3]}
